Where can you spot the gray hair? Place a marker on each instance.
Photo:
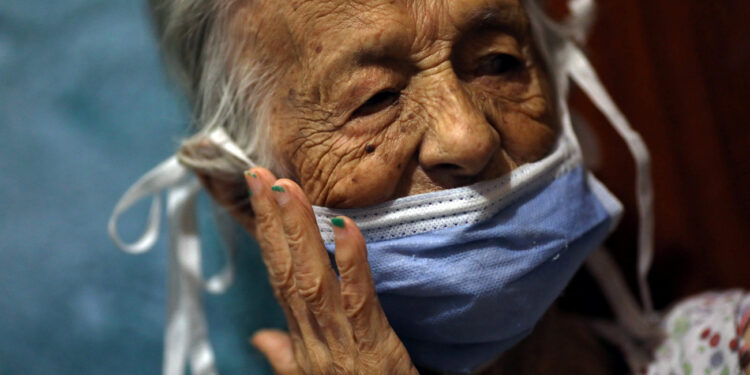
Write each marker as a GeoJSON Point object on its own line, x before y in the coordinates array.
{"type": "Point", "coordinates": [222, 90]}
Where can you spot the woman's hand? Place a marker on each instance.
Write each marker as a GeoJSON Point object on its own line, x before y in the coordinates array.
{"type": "Point", "coordinates": [335, 327]}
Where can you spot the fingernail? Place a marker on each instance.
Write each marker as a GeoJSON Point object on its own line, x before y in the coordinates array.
{"type": "Point", "coordinates": [254, 183]}
{"type": "Point", "coordinates": [338, 222]}
{"type": "Point", "coordinates": [249, 173]}
{"type": "Point", "coordinates": [249, 193]}
{"type": "Point", "coordinates": [281, 195]}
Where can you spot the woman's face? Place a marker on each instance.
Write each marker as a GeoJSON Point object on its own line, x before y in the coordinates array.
{"type": "Point", "coordinates": [379, 99]}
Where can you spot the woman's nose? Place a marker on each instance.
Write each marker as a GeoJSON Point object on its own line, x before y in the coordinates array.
{"type": "Point", "coordinates": [460, 141]}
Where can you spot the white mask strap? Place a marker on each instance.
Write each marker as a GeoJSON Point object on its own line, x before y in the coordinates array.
{"type": "Point", "coordinates": [220, 138]}
{"type": "Point", "coordinates": [556, 40]}
{"type": "Point", "coordinates": [585, 77]}
{"type": "Point", "coordinates": [186, 336]}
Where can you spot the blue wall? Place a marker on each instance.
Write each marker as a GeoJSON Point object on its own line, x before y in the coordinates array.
{"type": "Point", "coordinates": [85, 109]}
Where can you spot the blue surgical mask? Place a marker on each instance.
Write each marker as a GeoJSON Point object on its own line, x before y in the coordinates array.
{"type": "Point", "coordinates": [464, 274]}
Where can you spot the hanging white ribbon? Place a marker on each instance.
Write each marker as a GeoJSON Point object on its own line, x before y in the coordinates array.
{"type": "Point", "coordinates": [559, 47]}
{"type": "Point", "coordinates": [186, 337]}
{"type": "Point", "coordinates": [637, 327]}
{"type": "Point", "coordinates": [585, 77]}
{"type": "Point", "coordinates": [186, 334]}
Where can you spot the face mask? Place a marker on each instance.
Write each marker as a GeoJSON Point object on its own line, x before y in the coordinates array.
{"type": "Point", "coordinates": [462, 274]}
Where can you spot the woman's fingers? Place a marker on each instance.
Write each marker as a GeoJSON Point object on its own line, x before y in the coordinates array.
{"type": "Point", "coordinates": [380, 350]}
{"type": "Point", "coordinates": [277, 346]}
{"type": "Point", "coordinates": [335, 327]}
{"type": "Point", "coordinates": [357, 287]}
{"type": "Point", "coordinates": [269, 232]}
{"type": "Point", "coordinates": [315, 280]}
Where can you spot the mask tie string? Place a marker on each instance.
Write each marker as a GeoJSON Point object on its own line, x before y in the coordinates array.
{"type": "Point", "coordinates": [221, 139]}
{"type": "Point", "coordinates": [186, 334]}
{"type": "Point", "coordinates": [187, 330]}
{"type": "Point", "coordinates": [637, 327]}
{"type": "Point", "coordinates": [585, 77]}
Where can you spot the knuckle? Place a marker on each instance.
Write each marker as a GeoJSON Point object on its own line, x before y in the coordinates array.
{"type": "Point", "coordinates": [311, 288]}
{"type": "Point", "coordinates": [282, 278]}
{"type": "Point", "coordinates": [385, 345]}
{"type": "Point", "coordinates": [367, 345]}
{"type": "Point", "coordinates": [295, 236]}
{"type": "Point", "coordinates": [265, 223]}
{"type": "Point", "coordinates": [344, 366]}
{"type": "Point", "coordinates": [320, 358]}
{"type": "Point", "coordinates": [355, 303]}
{"type": "Point", "coordinates": [370, 363]}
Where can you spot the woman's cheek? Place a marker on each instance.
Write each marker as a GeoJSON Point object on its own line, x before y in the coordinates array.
{"type": "Point", "coordinates": [370, 172]}
{"type": "Point", "coordinates": [525, 123]}
{"type": "Point", "coordinates": [526, 139]}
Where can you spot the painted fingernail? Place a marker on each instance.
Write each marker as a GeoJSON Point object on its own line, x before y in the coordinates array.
{"type": "Point", "coordinates": [281, 195]}
{"type": "Point", "coordinates": [249, 193]}
{"type": "Point", "coordinates": [254, 183]}
{"type": "Point", "coordinates": [338, 222]}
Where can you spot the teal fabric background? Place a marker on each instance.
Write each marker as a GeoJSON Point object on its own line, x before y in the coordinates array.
{"type": "Point", "coordinates": [85, 109]}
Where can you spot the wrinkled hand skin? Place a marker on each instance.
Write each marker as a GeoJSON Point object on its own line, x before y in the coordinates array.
{"type": "Point", "coordinates": [374, 100]}
{"type": "Point", "coordinates": [335, 326]}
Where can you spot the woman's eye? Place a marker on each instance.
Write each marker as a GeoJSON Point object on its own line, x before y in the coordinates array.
{"type": "Point", "coordinates": [377, 103]}
{"type": "Point", "coordinates": [498, 64]}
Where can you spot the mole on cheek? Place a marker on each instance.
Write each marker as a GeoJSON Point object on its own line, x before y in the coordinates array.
{"type": "Point", "coordinates": [319, 49]}
{"type": "Point", "coordinates": [370, 149]}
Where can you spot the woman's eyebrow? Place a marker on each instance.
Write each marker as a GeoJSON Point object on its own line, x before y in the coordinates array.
{"type": "Point", "coordinates": [511, 18]}
{"type": "Point", "coordinates": [349, 57]}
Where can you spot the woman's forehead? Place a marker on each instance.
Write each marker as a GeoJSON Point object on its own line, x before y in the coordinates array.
{"type": "Point", "coordinates": [309, 26]}
{"type": "Point", "coordinates": [429, 18]}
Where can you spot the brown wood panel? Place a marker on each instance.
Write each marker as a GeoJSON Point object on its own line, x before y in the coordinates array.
{"type": "Point", "coordinates": [680, 71]}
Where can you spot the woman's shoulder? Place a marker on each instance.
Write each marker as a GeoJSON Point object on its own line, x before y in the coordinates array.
{"type": "Point", "coordinates": [705, 334]}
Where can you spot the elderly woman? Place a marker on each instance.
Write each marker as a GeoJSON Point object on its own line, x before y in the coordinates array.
{"type": "Point", "coordinates": [417, 189]}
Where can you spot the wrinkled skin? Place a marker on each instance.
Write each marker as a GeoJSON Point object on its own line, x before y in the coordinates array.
{"type": "Point", "coordinates": [375, 100]}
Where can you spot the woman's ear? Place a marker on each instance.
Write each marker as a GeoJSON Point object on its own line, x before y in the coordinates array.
{"type": "Point", "coordinates": [228, 190]}
{"type": "Point", "coordinates": [230, 193]}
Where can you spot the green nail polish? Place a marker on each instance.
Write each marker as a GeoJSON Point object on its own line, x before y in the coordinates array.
{"type": "Point", "coordinates": [338, 222]}
{"type": "Point", "coordinates": [249, 193]}
{"type": "Point", "coordinates": [278, 189]}
{"type": "Point", "coordinates": [255, 175]}
{"type": "Point", "coordinates": [247, 173]}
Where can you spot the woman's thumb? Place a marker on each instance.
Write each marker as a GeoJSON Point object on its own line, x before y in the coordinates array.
{"type": "Point", "coordinates": [277, 347]}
